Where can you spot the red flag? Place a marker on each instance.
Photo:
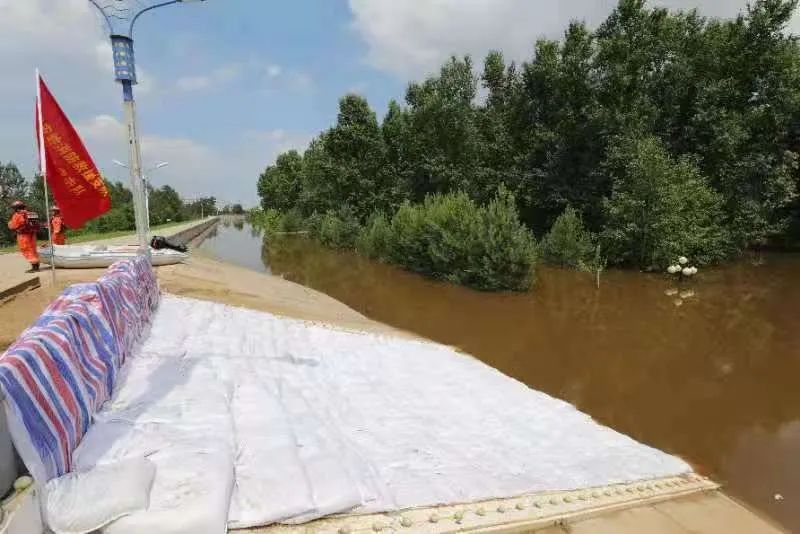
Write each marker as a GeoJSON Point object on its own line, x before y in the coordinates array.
{"type": "Point", "coordinates": [77, 186]}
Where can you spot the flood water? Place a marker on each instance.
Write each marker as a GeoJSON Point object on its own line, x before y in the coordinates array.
{"type": "Point", "coordinates": [707, 370]}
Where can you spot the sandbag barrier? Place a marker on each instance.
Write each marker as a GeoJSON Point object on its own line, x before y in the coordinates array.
{"type": "Point", "coordinates": [62, 369]}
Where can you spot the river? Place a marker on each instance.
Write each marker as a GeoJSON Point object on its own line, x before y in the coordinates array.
{"type": "Point", "coordinates": [707, 370]}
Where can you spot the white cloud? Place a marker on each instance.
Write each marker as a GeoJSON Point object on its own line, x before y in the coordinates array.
{"type": "Point", "coordinates": [195, 169]}
{"type": "Point", "coordinates": [412, 38]}
{"type": "Point", "coordinates": [67, 41]}
{"type": "Point", "coordinates": [62, 38]}
{"type": "Point", "coordinates": [273, 71]}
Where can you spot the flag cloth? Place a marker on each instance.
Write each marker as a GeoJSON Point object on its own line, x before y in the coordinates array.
{"type": "Point", "coordinates": [78, 188]}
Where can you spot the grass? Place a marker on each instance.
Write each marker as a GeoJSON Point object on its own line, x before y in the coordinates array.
{"type": "Point", "coordinates": [74, 237]}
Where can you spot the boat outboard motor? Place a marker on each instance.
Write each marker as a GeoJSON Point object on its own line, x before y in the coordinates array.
{"type": "Point", "coordinates": [159, 242]}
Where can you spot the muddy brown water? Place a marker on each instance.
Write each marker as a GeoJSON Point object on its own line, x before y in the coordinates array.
{"type": "Point", "coordinates": [707, 370]}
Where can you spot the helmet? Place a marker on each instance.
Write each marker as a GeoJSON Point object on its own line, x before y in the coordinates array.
{"type": "Point", "coordinates": [55, 209]}
{"type": "Point", "coordinates": [17, 204]}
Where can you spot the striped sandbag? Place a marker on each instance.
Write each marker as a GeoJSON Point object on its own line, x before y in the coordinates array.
{"type": "Point", "coordinates": [63, 368]}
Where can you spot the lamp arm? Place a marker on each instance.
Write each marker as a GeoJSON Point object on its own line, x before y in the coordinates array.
{"type": "Point", "coordinates": [150, 8]}
{"type": "Point", "coordinates": [105, 17]}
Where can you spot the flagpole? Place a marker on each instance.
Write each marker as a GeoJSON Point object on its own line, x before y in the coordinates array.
{"type": "Point", "coordinates": [43, 171]}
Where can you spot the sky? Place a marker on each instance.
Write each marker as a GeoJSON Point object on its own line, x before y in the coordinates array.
{"type": "Point", "coordinates": [226, 85]}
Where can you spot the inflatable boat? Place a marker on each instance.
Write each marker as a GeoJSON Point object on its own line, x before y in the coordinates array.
{"type": "Point", "coordinates": [100, 256]}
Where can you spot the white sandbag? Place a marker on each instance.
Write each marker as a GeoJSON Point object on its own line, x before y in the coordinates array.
{"type": "Point", "coordinates": [265, 491]}
{"type": "Point", "coordinates": [252, 418]}
{"type": "Point", "coordinates": [84, 501]}
{"type": "Point", "coordinates": [191, 494]}
{"type": "Point", "coordinates": [290, 467]}
{"type": "Point", "coordinates": [324, 458]}
{"type": "Point", "coordinates": [175, 409]}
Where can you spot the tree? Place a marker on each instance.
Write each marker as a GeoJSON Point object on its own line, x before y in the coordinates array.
{"type": "Point", "coordinates": [279, 185]}
{"type": "Point", "coordinates": [660, 208]}
{"type": "Point", "coordinates": [595, 121]}
{"type": "Point", "coordinates": [568, 243]}
{"type": "Point", "coordinates": [12, 187]}
{"type": "Point", "coordinates": [165, 205]}
{"type": "Point", "coordinates": [566, 136]}
{"type": "Point", "coordinates": [343, 166]}
{"type": "Point", "coordinates": [201, 207]}
{"type": "Point", "coordinates": [499, 150]}
{"type": "Point", "coordinates": [444, 149]}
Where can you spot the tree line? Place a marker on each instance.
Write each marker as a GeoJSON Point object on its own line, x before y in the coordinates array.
{"type": "Point", "coordinates": [165, 204]}
{"type": "Point", "coordinates": [658, 134]}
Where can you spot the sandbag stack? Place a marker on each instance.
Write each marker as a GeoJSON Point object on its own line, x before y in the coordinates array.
{"type": "Point", "coordinates": [60, 371]}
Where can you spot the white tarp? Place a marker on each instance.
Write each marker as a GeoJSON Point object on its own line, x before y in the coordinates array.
{"type": "Point", "coordinates": [251, 418]}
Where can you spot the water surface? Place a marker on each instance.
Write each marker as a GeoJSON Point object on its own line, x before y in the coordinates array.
{"type": "Point", "coordinates": [707, 370]}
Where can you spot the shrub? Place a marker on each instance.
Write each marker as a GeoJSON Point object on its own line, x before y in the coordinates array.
{"type": "Point", "coordinates": [338, 229]}
{"type": "Point", "coordinates": [660, 208]}
{"type": "Point", "coordinates": [376, 238]}
{"type": "Point", "coordinates": [292, 221]}
{"type": "Point", "coordinates": [450, 237]}
{"type": "Point", "coordinates": [117, 218]}
{"type": "Point", "coordinates": [568, 243]}
{"type": "Point", "coordinates": [268, 220]}
{"type": "Point", "coordinates": [275, 222]}
{"type": "Point", "coordinates": [508, 248]}
{"type": "Point", "coordinates": [445, 234]}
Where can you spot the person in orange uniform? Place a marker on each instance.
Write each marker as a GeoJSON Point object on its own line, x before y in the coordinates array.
{"type": "Point", "coordinates": [57, 229]}
{"type": "Point", "coordinates": [25, 224]}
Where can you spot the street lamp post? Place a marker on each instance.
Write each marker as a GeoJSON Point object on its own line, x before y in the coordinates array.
{"type": "Point", "coordinates": [145, 185]}
{"type": "Point", "coordinates": [121, 15]}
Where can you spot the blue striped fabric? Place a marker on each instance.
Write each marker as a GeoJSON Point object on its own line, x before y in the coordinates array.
{"type": "Point", "coordinates": [63, 368]}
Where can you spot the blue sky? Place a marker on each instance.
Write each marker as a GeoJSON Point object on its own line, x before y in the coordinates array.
{"type": "Point", "coordinates": [228, 84]}
{"type": "Point", "coordinates": [291, 60]}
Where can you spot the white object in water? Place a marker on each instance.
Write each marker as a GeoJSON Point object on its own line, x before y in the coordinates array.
{"type": "Point", "coordinates": [100, 256]}
{"type": "Point", "coordinates": [689, 271]}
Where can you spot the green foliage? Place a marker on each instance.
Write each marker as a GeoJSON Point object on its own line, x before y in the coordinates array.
{"type": "Point", "coordinates": [274, 222]}
{"type": "Point", "coordinates": [279, 185]}
{"type": "Point", "coordinates": [452, 238]}
{"type": "Point", "coordinates": [269, 220]}
{"type": "Point", "coordinates": [338, 229]}
{"type": "Point", "coordinates": [376, 238]}
{"type": "Point", "coordinates": [12, 187]}
{"type": "Point", "coordinates": [200, 207]}
{"type": "Point", "coordinates": [714, 101]}
{"type": "Point", "coordinates": [165, 205]}
{"type": "Point", "coordinates": [568, 243]}
{"type": "Point", "coordinates": [660, 208]}
{"type": "Point", "coordinates": [117, 218]}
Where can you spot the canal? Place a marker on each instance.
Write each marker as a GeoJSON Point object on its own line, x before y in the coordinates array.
{"type": "Point", "coordinates": [707, 370]}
